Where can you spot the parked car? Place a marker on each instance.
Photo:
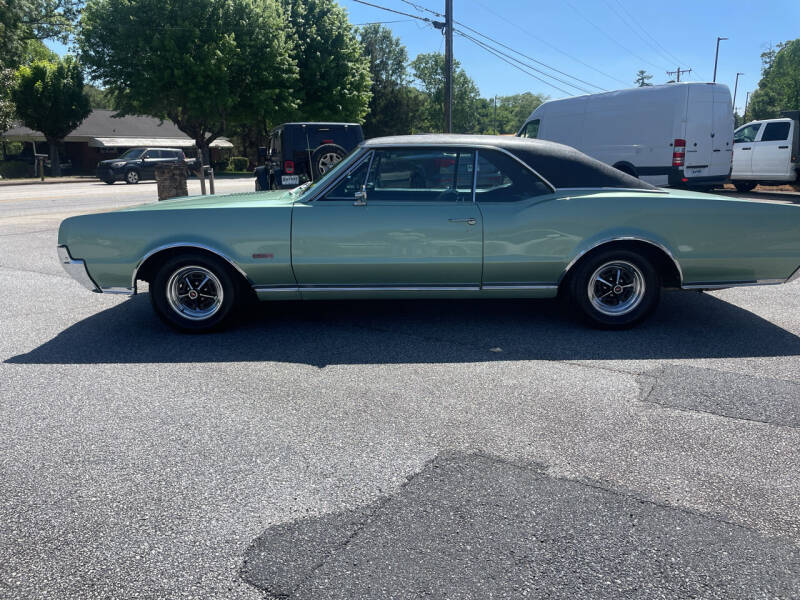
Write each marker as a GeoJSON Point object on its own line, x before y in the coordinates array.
{"type": "Point", "coordinates": [300, 152]}
{"type": "Point", "coordinates": [767, 152]}
{"type": "Point", "coordinates": [679, 134]}
{"type": "Point", "coordinates": [437, 216]}
{"type": "Point", "coordinates": [137, 164]}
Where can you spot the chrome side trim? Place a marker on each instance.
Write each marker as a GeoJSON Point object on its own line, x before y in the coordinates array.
{"type": "Point", "coordinates": [728, 284]}
{"type": "Point", "coordinates": [627, 238]}
{"type": "Point", "coordinates": [118, 290]}
{"type": "Point", "coordinates": [520, 286]}
{"type": "Point", "coordinates": [613, 189]}
{"type": "Point", "coordinates": [794, 275]}
{"type": "Point", "coordinates": [403, 288]}
{"type": "Point", "coordinates": [223, 256]}
{"type": "Point", "coordinates": [76, 268]}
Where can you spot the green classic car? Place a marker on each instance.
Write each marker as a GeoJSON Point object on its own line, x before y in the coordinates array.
{"type": "Point", "coordinates": [437, 216]}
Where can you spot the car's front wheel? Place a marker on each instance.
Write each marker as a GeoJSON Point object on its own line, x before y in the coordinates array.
{"type": "Point", "coordinates": [194, 292]}
{"type": "Point", "coordinates": [615, 289]}
{"type": "Point", "coordinates": [132, 176]}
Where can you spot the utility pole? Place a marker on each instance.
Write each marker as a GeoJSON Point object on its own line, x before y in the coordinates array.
{"type": "Point", "coordinates": [716, 57]}
{"type": "Point", "coordinates": [495, 115]}
{"type": "Point", "coordinates": [448, 65]}
{"type": "Point", "coordinates": [678, 72]}
{"type": "Point", "coordinates": [736, 87]}
{"type": "Point", "coordinates": [746, 101]}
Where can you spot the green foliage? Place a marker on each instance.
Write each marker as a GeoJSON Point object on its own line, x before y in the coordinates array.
{"type": "Point", "coordinates": [429, 71]}
{"type": "Point", "coordinates": [24, 20]}
{"type": "Point", "coordinates": [98, 97]}
{"type": "Point", "coordinates": [239, 163]}
{"type": "Point", "coordinates": [35, 50]}
{"type": "Point", "coordinates": [779, 88]}
{"type": "Point", "coordinates": [49, 98]}
{"type": "Point", "coordinates": [204, 64]}
{"type": "Point", "coordinates": [14, 169]}
{"type": "Point", "coordinates": [511, 112]}
{"type": "Point", "coordinates": [642, 78]}
{"type": "Point", "coordinates": [395, 106]}
{"type": "Point", "coordinates": [6, 103]}
{"type": "Point", "coordinates": [334, 73]}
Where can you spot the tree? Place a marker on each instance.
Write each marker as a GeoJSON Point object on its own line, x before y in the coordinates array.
{"type": "Point", "coordinates": [429, 71]}
{"type": "Point", "coordinates": [25, 20]}
{"type": "Point", "coordinates": [334, 73]}
{"type": "Point", "coordinates": [98, 97]}
{"type": "Point", "coordinates": [207, 65]}
{"type": "Point", "coordinates": [6, 104]}
{"type": "Point", "coordinates": [642, 78]}
{"type": "Point", "coordinates": [49, 98]}
{"type": "Point", "coordinates": [394, 106]}
{"type": "Point", "coordinates": [779, 88]}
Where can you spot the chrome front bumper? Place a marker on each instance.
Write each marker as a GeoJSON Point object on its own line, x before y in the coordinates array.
{"type": "Point", "coordinates": [76, 268]}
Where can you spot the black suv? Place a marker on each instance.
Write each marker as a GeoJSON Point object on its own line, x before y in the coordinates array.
{"type": "Point", "coordinates": [139, 163]}
{"type": "Point", "coordinates": [302, 151]}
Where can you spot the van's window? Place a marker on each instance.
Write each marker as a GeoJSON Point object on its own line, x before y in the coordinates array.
{"type": "Point", "coordinates": [422, 175]}
{"type": "Point", "coordinates": [531, 129]}
{"type": "Point", "coordinates": [746, 134]}
{"type": "Point", "coordinates": [275, 144]}
{"type": "Point", "coordinates": [502, 178]}
{"type": "Point", "coordinates": [775, 132]}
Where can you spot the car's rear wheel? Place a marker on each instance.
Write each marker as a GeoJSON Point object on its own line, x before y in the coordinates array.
{"type": "Point", "coordinates": [615, 289]}
{"type": "Point", "coordinates": [132, 176]}
{"type": "Point", "coordinates": [194, 292]}
{"type": "Point", "coordinates": [744, 186]}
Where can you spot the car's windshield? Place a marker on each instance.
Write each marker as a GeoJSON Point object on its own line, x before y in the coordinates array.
{"type": "Point", "coordinates": [133, 153]}
{"type": "Point", "coordinates": [307, 188]}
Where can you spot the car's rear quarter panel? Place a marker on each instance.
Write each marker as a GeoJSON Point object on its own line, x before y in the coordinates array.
{"type": "Point", "coordinates": [112, 244]}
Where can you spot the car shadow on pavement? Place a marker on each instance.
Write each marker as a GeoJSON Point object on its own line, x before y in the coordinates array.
{"type": "Point", "coordinates": [320, 333]}
{"type": "Point", "coordinates": [473, 526]}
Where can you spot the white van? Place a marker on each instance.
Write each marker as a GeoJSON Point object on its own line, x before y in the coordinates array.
{"type": "Point", "coordinates": [678, 134]}
{"type": "Point", "coordinates": [767, 152]}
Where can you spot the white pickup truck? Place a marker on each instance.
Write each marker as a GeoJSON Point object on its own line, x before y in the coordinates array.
{"type": "Point", "coordinates": [767, 152]}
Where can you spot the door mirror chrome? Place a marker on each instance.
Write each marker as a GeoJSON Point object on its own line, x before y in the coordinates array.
{"type": "Point", "coordinates": [361, 197]}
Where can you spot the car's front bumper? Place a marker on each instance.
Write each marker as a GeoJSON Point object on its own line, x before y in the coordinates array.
{"type": "Point", "coordinates": [76, 268]}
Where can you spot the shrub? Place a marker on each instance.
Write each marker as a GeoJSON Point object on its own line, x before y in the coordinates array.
{"type": "Point", "coordinates": [14, 168]}
{"type": "Point", "coordinates": [222, 165]}
{"type": "Point", "coordinates": [239, 163]}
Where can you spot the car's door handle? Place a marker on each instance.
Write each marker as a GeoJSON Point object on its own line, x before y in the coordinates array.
{"type": "Point", "coordinates": [469, 221]}
{"type": "Point", "coordinates": [748, 148]}
{"type": "Point", "coordinates": [783, 147]}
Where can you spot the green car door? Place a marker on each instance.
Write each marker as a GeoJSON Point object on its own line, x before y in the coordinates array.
{"type": "Point", "coordinates": [400, 218]}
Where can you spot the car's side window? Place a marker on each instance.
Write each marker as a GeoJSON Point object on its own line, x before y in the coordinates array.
{"type": "Point", "coordinates": [776, 132]}
{"type": "Point", "coordinates": [422, 175]}
{"type": "Point", "coordinates": [353, 182]}
{"type": "Point", "coordinates": [531, 129]}
{"type": "Point", "coordinates": [746, 134]}
{"type": "Point", "coordinates": [501, 178]}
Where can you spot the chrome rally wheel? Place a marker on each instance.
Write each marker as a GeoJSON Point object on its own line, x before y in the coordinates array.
{"type": "Point", "coordinates": [327, 161]}
{"type": "Point", "coordinates": [194, 293]}
{"type": "Point", "coordinates": [616, 288]}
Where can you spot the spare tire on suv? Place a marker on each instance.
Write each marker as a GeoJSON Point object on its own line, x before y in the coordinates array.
{"type": "Point", "coordinates": [324, 158]}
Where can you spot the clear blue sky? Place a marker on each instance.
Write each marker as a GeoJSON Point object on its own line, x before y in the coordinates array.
{"type": "Point", "coordinates": [603, 42]}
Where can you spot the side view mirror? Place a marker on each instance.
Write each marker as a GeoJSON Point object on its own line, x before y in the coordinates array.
{"type": "Point", "coordinates": [361, 197]}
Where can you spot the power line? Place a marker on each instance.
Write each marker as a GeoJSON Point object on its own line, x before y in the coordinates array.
{"type": "Point", "coordinates": [524, 64]}
{"type": "Point", "coordinates": [628, 26]}
{"type": "Point", "coordinates": [398, 12]}
{"type": "Point", "coordinates": [422, 8]}
{"type": "Point", "coordinates": [633, 19]}
{"type": "Point", "coordinates": [533, 59]}
{"type": "Point", "coordinates": [546, 43]}
{"type": "Point", "coordinates": [383, 22]}
{"type": "Point", "coordinates": [491, 51]}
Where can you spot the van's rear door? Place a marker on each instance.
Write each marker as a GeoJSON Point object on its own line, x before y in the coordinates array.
{"type": "Point", "coordinates": [699, 117]}
{"type": "Point", "coordinates": [722, 132]}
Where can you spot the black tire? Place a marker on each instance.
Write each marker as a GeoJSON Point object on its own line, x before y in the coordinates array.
{"type": "Point", "coordinates": [627, 169]}
{"type": "Point", "coordinates": [132, 177]}
{"type": "Point", "coordinates": [176, 275]}
{"type": "Point", "coordinates": [744, 186]}
{"type": "Point", "coordinates": [603, 305]}
{"type": "Point", "coordinates": [110, 181]}
{"type": "Point", "coordinates": [322, 159]}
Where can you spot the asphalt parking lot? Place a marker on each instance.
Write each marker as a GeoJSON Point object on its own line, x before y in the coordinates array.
{"type": "Point", "coordinates": [476, 449]}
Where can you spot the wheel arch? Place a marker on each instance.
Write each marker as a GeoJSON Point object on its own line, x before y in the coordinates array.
{"type": "Point", "coordinates": [146, 266]}
{"type": "Point", "coordinates": [626, 167]}
{"type": "Point", "coordinates": [662, 258]}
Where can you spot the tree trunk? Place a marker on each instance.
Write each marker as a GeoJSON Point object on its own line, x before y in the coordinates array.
{"type": "Point", "coordinates": [55, 162]}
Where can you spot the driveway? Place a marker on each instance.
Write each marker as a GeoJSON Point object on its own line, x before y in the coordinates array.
{"type": "Point", "coordinates": [475, 449]}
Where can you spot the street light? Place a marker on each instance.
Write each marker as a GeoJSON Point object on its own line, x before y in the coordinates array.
{"type": "Point", "coordinates": [735, 87]}
{"type": "Point", "coordinates": [716, 57]}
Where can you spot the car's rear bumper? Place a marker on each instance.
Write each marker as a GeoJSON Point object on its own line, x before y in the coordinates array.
{"type": "Point", "coordinates": [76, 268]}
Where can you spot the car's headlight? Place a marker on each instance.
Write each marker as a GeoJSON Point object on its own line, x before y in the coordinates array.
{"type": "Point", "coordinates": [118, 164]}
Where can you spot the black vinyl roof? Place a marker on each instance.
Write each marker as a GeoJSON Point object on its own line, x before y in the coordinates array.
{"type": "Point", "coordinates": [562, 166]}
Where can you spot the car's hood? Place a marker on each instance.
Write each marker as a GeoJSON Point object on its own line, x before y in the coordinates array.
{"type": "Point", "coordinates": [244, 200]}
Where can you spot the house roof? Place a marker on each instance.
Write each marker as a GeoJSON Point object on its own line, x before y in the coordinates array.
{"type": "Point", "coordinates": [102, 129]}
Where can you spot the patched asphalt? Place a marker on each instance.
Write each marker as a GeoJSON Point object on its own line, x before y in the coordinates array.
{"type": "Point", "coordinates": [137, 462]}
